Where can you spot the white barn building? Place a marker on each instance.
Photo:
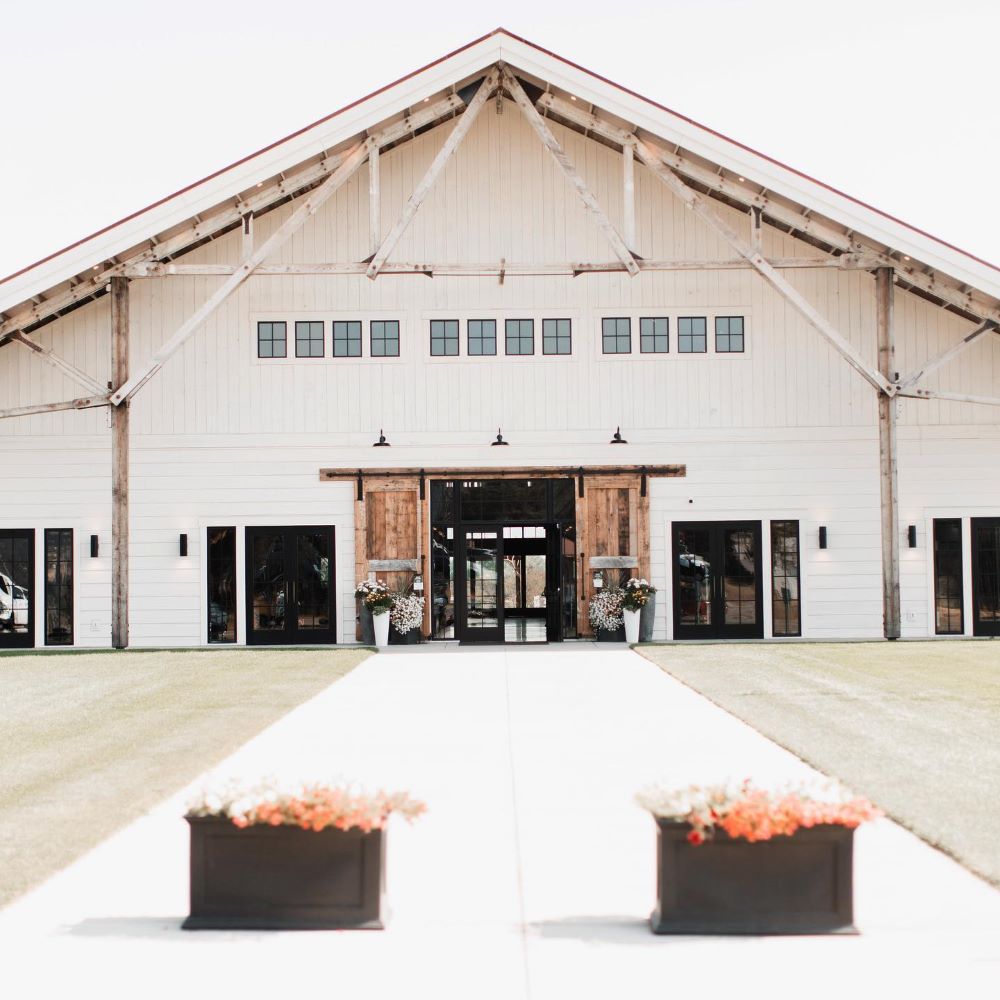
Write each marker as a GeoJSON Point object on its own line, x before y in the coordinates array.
{"type": "Point", "coordinates": [501, 243]}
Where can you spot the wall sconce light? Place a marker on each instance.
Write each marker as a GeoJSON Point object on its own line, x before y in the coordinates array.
{"type": "Point", "coordinates": [911, 536]}
{"type": "Point", "coordinates": [499, 441]}
{"type": "Point", "coordinates": [418, 584]}
{"type": "Point", "coordinates": [95, 547]}
{"type": "Point", "coordinates": [381, 442]}
{"type": "Point", "coordinates": [598, 580]}
{"type": "Point", "coordinates": [822, 536]}
{"type": "Point", "coordinates": [618, 439]}
{"type": "Point", "coordinates": [184, 545]}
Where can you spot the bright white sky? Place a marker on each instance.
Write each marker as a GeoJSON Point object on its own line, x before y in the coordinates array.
{"type": "Point", "coordinates": [107, 107]}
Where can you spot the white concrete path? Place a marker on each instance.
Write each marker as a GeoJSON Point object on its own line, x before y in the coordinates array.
{"type": "Point", "coordinates": [532, 874]}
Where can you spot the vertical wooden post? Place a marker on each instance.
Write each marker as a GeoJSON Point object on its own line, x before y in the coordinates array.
{"type": "Point", "coordinates": [374, 201]}
{"type": "Point", "coordinates": [119, 466]}
{"type": "Point", "coordinates": [887, 454]}
{"type": "Point", "coordinates": [628, 182]}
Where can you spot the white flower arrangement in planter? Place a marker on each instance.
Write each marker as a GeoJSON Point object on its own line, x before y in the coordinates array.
{"type": "Point", "coordinates": [606, 610]}
{"type": "Point", "coordinates": [407, 612]}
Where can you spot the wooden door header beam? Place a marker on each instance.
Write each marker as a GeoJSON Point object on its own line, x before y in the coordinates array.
{"type": "Point", "coordinates": [526, 472]}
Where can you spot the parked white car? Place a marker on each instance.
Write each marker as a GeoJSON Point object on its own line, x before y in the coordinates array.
{"type": "Point", "coordinates": [13, 604]}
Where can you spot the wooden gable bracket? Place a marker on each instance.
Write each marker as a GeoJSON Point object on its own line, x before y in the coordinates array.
{"type": "Point", "coordinates": [771, 275]}
{"type": "Point", "coordinates": [945, 356]}
{"type": "Point", "coordinates": [313, 202]}
{"type": "Point", "coordinates": [422, 189]}
{"type": "Point", "coordinates": [70, 404]}
{"type": "Point", "coordinates": [60, 364]}
{"type": "Point", "coordinates": [791, 216]}
{"type": "Point", "coordinates": [535, 120]}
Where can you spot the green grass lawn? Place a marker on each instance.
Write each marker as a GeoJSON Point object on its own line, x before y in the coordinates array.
{"type": "Point", "coordinates": [90, 741]}
{"type": "Point", "coordinates": [915, 726]}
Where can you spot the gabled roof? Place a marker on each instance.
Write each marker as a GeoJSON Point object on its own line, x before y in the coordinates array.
{"type": "Point", "coordinates": [710, 162]}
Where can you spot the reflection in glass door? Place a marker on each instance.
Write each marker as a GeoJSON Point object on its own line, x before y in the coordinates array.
{"type": "Point", "coordinates": [17, 588]}
{"type": "Point", "coordinates": [290, 585]}
{"type": "Point", "coordinates": [480, 558]}
{"type": "Point", "coordinates": [986, 576]}
{"type": "Point", "coordinates": [717, 590]}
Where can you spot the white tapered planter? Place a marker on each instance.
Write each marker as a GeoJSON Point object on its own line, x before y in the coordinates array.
{"type": "Point", "coordinates": [632, 625]}
{"type": "Point", "coordinates": [381, 623]}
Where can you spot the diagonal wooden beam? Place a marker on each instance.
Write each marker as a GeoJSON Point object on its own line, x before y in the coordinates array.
{"type": "Point", "coordinates": [767, 271]}
{"type": "Point", "coordinates": [551, 143]}
{"type": "Point", "coordinates": [60, 364]}
{"type": "Point", "coordinates": [69, 404]}
{"type": "Point", "coordinates": [952, 397]}
{"type": "Point", "coordinates": [628, 195]}
{"type": "Point", "coordinates": [421, 191]}
{"type": "Point", "coordinates": [291, 225]}
{"type": "Point", "coordinates": [776, 210]}
{"type": "Point", "coordinates": [947, 355]}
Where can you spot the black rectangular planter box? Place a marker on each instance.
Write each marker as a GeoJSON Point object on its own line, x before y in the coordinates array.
{"type": "Point", "coordinates": [603, 635]}
{"type": "Point", "coordinates": [802, 884]}
{"type": "Point", "coordinates": [284, 878]}
{"type": "Point", "coordinates": [397, 638]}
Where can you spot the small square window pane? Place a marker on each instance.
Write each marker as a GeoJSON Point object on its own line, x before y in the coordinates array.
{"type": "Point", "coordinates": [444, 337]}
{"type": "Point", "coordinates": [347, 339]}
{"type": "Point", "coordinates": [385, 338]}
{"type": "Point", "coordinates": [616, 335]}
{"type": "Point", "coordinates": [654, 335]}
{"type": "Point", "coordinates": [482, 337]}
{"type": "Point", "coordinates": [692, 335]}
{"type": "Point", "coordinates": [308, 339]}
{"type": "Point", "coordinates": [556, 336]}
{"type": "Point", "coordinates": [270, 340]}
{"type": "Point", "coordinates": [729, 334]}
{"type": "Point", "coordinates": [520, 336]}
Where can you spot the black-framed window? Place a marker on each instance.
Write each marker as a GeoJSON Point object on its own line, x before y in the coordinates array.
{"type": "Point", "coordinates": [786, 602]}
{"type": "Point", "coordinates": [444, 338]}
{"type": "Point", "coordinates": [557, 336]}
{"type": "Point", "coordinates": [221, 584]}
{"type": "Point", "coordinates": [729, 335]}
{"type": "Point", "coordinates": [616, 335]}
{"type": "Point", "coordinates": [692, 337]}
{"type": "Point", "coordinates": [272, 339]}
{"type": "Point", "coordinates": [58, 586]}
{"type": "Point", "coordinates": [520, 336]}
{"type": "Point", "coordinates": [385, 338]}
{"type": "Point", "coordinates": [948, 577]}
{"type": "Point", "coordinates": [308, 338]}
{"type": "Point", "coordinates": [654, 335]}
{"type": "Point", "coordinates": [347, 338]}
{"type": "Point", "coordinates": [482, 337]}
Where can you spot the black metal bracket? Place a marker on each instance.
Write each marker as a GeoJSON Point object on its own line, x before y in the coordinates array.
{"type": "Point", "coordinates": [642, 482]}
{"type": "Point", "coordinates": [579, 480]}
{"type": "Point", "coordinates": [361, 485]}
{"type": "Point", "coordinates": [423, 489]}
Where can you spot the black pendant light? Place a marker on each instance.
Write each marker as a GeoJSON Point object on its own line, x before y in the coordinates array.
{"type": "Point", "coordinates": [618, 439]}
{"type": "Point", "coordinates": [499, 440]}
{"type": "Point", "coordinates": [381, 442]}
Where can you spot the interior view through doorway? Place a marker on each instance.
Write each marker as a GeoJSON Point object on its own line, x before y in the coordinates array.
{"type": "Point", "coordinates": [503, 567]}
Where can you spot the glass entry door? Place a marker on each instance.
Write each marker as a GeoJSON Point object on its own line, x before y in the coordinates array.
{"type": "Point", "coordinates": [717, 580]}
{"type": "Point", "coordinates": [290, 585]}
{"type": "Point", "coordinates": [986, 576]}
{"type": "Point", "coordinates": [17, 588]}
{"type": "Point", "coordinates": [479, 561]}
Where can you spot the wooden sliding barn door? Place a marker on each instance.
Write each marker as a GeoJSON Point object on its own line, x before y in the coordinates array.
{"type": "Point", "coordinates": [612, 520]}
{"type": "Point", "coordinates": [387, 532]}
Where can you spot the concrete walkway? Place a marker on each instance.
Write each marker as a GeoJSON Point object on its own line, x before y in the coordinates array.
{"type": "Point", "coordinates": [530, 877]}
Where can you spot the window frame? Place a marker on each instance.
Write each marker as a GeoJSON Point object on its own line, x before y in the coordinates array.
{"type": "Point", "coordinates": [446, 339]}
{"type": "Point", "coordinates": [558, 336]}
{"type": "Point", "coordinates": [360, 340]}
{"type": "Point", "coordinates": [729, 334]}
{"type": "Point", "coordinates": [71, 587]}
{"type": "Point", "coordinates": [642, 336]}
{"type": "Point", "coordinates": [962, 538]}
{"type": "Point", "coordinates": [272, 323]}
{"type": "Point", "coordinates": [384, 339]}
{"type": "Point", "coordinates": [680, 319]}
{"type": "Point", "coordinates": [312, 340]}
{"type": "Point", "coordinates": [468, 337]}
{"type": "Point", "coordinates": [506, 336]}
{"type": "Point", "coordinates": [617, 335]}
{"type": "Point", "coordinates": [773, 576]}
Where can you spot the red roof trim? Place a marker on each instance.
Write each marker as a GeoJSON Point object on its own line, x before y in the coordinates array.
{"type": "Point", "coordinates": [552, 55]}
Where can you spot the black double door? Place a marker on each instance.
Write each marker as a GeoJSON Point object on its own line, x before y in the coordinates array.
{"type": "Point", "coordinates": [986, 576]}
{"type": "Point", "coordinates": [290, 585]}
{"type": "Point", "coordinates": [509, 583]}
{"type": "Point", "coordinates": [717, 580]}
{"type": "Point", "coordinates": [17, 588]}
